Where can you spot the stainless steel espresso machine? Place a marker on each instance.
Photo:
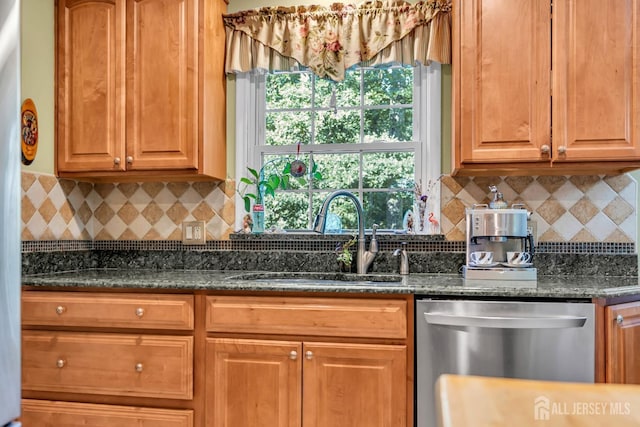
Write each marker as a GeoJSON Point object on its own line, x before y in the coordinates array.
{"type": "Point", "coordinates": [500, 247]}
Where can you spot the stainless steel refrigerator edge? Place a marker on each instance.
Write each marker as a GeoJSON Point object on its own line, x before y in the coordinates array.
{"type": "Point", "coordinates": [533, 340]}
{"type": "Point", "coordinates": [10, 257]}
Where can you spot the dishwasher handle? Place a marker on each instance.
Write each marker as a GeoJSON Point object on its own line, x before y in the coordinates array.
{"type": "Point", "coordinates": [505, 322]}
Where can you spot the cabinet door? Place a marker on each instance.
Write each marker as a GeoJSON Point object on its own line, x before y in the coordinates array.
{"type": "Point", "coordinates": [162, 98]}
{"type": "Point", "coordinates": [596, 99]}
{"type": "Point", "coordinates": [90, 85]}
{"type": "Point", "coordinates": [253, 383]}
{"type": "Point", "coordinates": [354, 385]}
{"type": "Point", "coordinates": [501, 87]}
{"type": "Point", "coordinates": [623, 343]}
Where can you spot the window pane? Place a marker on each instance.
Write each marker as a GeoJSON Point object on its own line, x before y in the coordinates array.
{"type": "Point", "coordinates": [339, 171]}
{"type": "Point", "coordinates": [388, 125]}
{"type": "Point", "coordinates": [388, 170]}
{"type": "Point", "coordinates": [288, 90]}
{"type": "Point", "coordinates": [287, 128]}
{"type": "Point", "coordinates": [287, 210]}
{"type": "Point", "coordinates": [347, 91]}
{"type": "Point", "coordinates": [341, 127]}
{"type": "Point", "coordinates": [386, 209]}
{"type": "Point", "coordinates": [388, 86]}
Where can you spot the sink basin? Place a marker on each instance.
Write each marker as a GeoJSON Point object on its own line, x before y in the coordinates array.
{"type": "Point", "coordinates": [323, 279]}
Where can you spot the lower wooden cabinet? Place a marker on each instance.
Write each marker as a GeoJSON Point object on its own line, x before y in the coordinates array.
{"type": "Point", "coordinates": [622, 332]}
{"type": "Point", "coordinates": [45, 413]}
{"type": "Point", "coordinates": [311, 384]}
{"type": "Point", "coordinates": [343, 362]}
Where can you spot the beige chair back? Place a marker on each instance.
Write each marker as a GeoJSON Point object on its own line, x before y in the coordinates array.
{"type": "Point", "coordinates": [471, 401]}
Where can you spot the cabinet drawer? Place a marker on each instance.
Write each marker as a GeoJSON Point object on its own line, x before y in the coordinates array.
{"type": "Point", "coordinates": [43, 413]}
{"type": "Point", "coordinates": [338, 317]}
{"type": "Point", "coordinates": [107, 310]}
{"type": "Point", "coordinates": [113, 364]}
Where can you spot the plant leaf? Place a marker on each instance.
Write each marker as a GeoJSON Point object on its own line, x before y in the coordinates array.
{"type": "Point", "coordinates": [274, 181]}
{"type": "Point", "coordinates": [247, 204]}
{"type": "Point", "coordinates": [269, 190]}
{"type": "Point", "coordinates": [254, 173]}
{"type": "Point", "coordinates": [287, 169]}
{"type": "Point", "coordinates": [317, 176]}
{"type": "Point", "coordinates": [284, 182]}
{"type": "Point", "coordinates": [246, 181]}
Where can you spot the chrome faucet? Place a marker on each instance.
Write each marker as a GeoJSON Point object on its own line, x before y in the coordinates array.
{"type": "Point", "coordinates": [365, 258]}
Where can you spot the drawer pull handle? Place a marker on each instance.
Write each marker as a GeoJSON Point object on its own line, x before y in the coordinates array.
{"type": "Point", "coordinates": [139, 311]}
{"type": "Point", "coordinates": [129, 160]}
{"type": "Point", "coordinates": [60, 363]}
{"type": "Point", "coordinates": [138, 367]}
{"type": "Point", "coordinates": [309, 355]}
{"type": "Point", "coordinates": [562, 149]}
{"type": "Point", "coordinates": [293, 355]}
{"type": "Point", "coordinates": [619, 319]}
{"type": "Point", "coordinates": [116, 161]}
{"type": "Point", "coordinates": [545, 149]}
{"type": "Point", "coordinates": [60, 309]}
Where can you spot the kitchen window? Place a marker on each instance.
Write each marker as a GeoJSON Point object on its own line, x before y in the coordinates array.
{"type": "Point", "coordinates": [375, 133]}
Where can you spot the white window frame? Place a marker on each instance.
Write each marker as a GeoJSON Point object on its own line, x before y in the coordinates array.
{"type": "Point", "coordinates": [250, 104]}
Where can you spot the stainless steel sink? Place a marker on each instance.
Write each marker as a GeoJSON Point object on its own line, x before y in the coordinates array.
{"type": "Point", "coordinates": [322, 279]}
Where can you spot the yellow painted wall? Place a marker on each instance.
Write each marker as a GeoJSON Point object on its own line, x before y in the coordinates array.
{"type": "Point", "coordinates": [37, 50]}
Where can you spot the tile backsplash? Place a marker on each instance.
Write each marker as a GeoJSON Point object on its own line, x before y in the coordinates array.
{"type": "Point", "coordinates": [565, 208]}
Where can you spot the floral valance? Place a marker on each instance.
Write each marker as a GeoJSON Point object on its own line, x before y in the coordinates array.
{"type": "Point", "coordinates": [330, 40]}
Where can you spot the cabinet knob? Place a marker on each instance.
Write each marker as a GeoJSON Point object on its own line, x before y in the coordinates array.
{"type": "Point", "coordinates": [562, 149]}
{"type": "Point", "coordinates": [293, 355]}
{"type": "Point", "coordinates": [60, 363]}
{"type": "Point", "coordinates": [139, 367]}
{"type": "Point", "coordinates": [60, 309]}
{"type": "Point", "coordinates": [129, 160]}
{"type": "Point", "coordinates": [139, 311]}
{"type": "Point", "coordinates": [545, 149]}
{"type": "Point", "coordinates": [116, 161]}
{"type": "Point", "coordinates": [619, 319]}
{"type": "Point", "coordinates": [309, 355]}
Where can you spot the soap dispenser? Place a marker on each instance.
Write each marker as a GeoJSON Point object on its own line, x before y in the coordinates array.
{"type": "Point", "coordinates": [498, 199]}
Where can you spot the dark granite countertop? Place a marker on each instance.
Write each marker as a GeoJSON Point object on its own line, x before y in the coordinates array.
{"type": "Point", "coordinates": [419, 284]}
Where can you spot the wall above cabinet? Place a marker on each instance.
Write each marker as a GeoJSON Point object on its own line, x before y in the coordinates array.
{"type": "Point", "coordinates": [534, 95]}
{"type": "Point", "coordinates": [140, 90]}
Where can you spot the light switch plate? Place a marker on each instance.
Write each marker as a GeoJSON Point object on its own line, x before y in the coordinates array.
{"type": "Point", "coordinates": [194, 233]}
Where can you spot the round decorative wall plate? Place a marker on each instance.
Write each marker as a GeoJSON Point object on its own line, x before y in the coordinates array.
{"type": "Point", "coordinates": [29, 129]}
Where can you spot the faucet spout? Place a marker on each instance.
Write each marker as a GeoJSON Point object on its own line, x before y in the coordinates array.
{"type": "Point", "coordinates": [365, 258]}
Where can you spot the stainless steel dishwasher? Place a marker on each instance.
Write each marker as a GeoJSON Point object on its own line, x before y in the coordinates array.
{"type": "Point", "coordinates": [535, 340]}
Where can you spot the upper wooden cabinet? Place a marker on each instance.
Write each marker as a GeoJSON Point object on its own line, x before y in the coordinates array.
{"type": "Point", "coordinates": [141, 89]}
{"type": "Point", "coordinates": [542, 90]}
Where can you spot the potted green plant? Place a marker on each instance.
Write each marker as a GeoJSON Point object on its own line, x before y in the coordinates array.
{"type": "Point", "coordinates": [264, 185]}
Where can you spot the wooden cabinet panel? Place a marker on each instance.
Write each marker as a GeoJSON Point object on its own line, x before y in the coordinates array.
{"type": "Point", "coordinates": [116, 364]}
{"type": "Point", "coordinates": [542, 89]}
{"type": "Point", "coordinates": [41, 413]}
{"type": "Point", "coordinates": [339, 317]}
{"type": "Point", "coordinates": [90, 89]}
{"type": "Point", "coordinates": [107, 310]}
{"type": "Point", "coordinates": [596, 98]}
{"type": "Point", "coordinates": [622, 331]}
{"type": "Point", "coordinates": [252, 382]}
{"type": "Point", "coordinates": [141, 90]}
{"type": "Point", "coordinates": [502, 80]}
{"type": "Point", "coordinates": [354, 385]}
{"type": "Point", "coordinates": [162, 89]}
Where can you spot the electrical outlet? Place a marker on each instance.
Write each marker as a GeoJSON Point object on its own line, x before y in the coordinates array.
{"type": "Point", "coordinates": [194, 233]}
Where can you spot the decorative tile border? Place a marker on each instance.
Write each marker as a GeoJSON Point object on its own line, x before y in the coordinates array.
{"type": "Point", "coordinates": [309, 246]}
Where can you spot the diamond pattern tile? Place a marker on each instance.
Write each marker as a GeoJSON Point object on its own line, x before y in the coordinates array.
{"type": "Point", "coordinates": [566, 209]}
{"type": "Point", "coordinates": [55, 209]}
